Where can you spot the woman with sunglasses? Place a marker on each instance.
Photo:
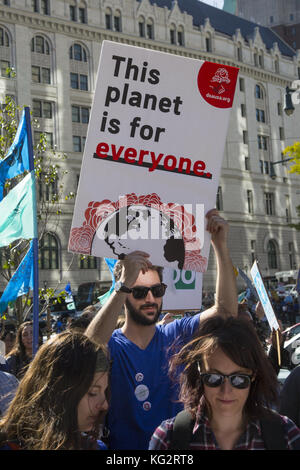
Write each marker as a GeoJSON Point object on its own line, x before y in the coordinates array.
{"type": "Point", "coordinates": [228, 388]}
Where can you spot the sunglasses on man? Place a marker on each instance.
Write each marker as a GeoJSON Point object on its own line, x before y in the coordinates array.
{"type": "Point", "coordinates": [141, 292]}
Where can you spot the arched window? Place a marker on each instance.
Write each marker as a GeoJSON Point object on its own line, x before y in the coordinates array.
{"type": "Point", "coordinates": [150, 28]}
{"type": "Point", "coordinates": [141, 23]}
{"type": "Point", "coordinates": [108, 18]}
{"type": "Point", "coordinates": [49, 252]}
{"type": "Point", "coordinates": [180, 36]}
{"type": "Point", "coordinates": [117, 21]}
{"type": "Point", "coordinates": [40, 45]}
{"type": "Point", "coordinates": [77, 52]}
{"type": "Point", "coordinates": [172, 34]}
{"type": "Point", "coordinates": [4, 38]}
{"type": "Point", "coordinates": [272, 255]}
{"type": "Point", "coordinates": [208, 43]}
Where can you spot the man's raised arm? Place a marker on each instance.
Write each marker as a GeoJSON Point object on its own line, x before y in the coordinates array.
{"type": "Point", "coordinates": [103, 324]}
{"type": "Point", "coordinates": [226, 303]}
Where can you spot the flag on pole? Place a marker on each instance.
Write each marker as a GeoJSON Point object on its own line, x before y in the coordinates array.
{"type": "Point", "coordinates": [17, 158]}
{"type": "Point", "coordinates": [18, 215]}
{"type": "Point", "coordinates": [111, 264]}
{"type": "Point", "coordinates": [21, 281]}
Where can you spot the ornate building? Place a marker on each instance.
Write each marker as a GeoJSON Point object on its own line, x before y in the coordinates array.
{"type": "Point", "coordinates": [54, 47]}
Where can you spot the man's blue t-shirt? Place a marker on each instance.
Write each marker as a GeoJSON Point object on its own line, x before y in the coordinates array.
{"type": "Point", "coordinates": [142, 394]}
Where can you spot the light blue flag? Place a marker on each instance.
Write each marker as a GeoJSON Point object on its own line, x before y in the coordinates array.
{"type": "Point", "coordinates": [249, 284]}
{"type": "Point", "coordinates": [18, 212]}
{"type": "Point", "coordinates": [17, 158]}
{"type": "Point", "coordinates": [111, 264]}
{"type": "Point", "coordinates": [21, 281]}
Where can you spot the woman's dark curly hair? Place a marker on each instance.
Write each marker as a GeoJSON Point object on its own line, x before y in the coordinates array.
{"type": "Point", "coordinates": [238, 339]}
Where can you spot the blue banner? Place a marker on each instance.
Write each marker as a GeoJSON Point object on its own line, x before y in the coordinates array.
{"type": "Point", "coordinates": [17, 158]}
{"type": "Point", "coordinates": [21, 281]}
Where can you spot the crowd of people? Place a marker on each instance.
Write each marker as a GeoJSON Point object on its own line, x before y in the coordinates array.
{"type": "Point", "coordinates": [120, 379]}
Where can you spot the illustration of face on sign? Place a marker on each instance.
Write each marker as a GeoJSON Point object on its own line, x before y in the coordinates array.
{"type": "Point", "coordinates": [155, 229]}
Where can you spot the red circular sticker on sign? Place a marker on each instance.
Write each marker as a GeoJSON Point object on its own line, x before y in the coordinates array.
{"type": "Point", "coordinates": [216, 83]}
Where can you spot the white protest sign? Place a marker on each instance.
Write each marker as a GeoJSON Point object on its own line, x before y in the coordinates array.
{"type": "Point", "coordinates": [184, 290]}
{"type": "Point", "coordinates": [153, 156]}
{"type": "Point", "coordinates": [263, 297]}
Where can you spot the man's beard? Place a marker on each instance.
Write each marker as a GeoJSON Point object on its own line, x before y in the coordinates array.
{"type": "Point", "coordinates": [138, 317]}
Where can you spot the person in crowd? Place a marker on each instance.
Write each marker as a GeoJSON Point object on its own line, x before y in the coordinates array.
{"type": "Point", "coordinates": [20, 355]}
{"type": "Point", "coordinates": [228, 388]}
{"type": "Point", "coordinates": [289, 403]}
{"type": "Point", "coordinates": [140, 350]}
{"type": "Point", "coordinates": [8, 386]}
{"type": "Point", "coordinates": [8, 337]}
{"type": "Point", "coordinates": [60, 401]}
{"type": "Point", "coordinates": [89, 312]}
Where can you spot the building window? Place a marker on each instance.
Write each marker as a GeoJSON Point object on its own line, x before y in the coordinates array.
{"type": "Point", "coordinates": [117, 21]}
{"type": "Point", "coordinates": [262, 142]}
{"type": "Point", "coordinates": [78, 143]}
{"type": "Point", "coordinates": [279, 109]}
{"type": "Point", "coordinates": [79, 81]}
{"type": "Point", "coordinates": [141, 27]}
{"type": "Point", "coordinates": [42, 109]}
{"type": "Point", "coordinates": [250, 201]}
{"type": "Point", "coordinates": [243, 110]}
{"type": "Point", "coordinates": [108, 18]}
{"type": "Point", "coordinates": [72, 13]}
{"type": "Point", "coordinates": [88, 262]}
{"type": "Point", "coordinates": [49, 252]}
{"type": "Point", "coordinates": [150, 29]}
{"type": "Point", "coordinates": [259, 94]}
{"type": "Point", "coordinates": [48, 137]}
{"type": "Point", "coordinates": [41, 6]}
{"type": "Point", "coordinates": [172, 34]}
{"type": "Point", "coordinates": [77, 52]}
{"type": "Point", "coordinates": [180, 36]}
{"type": "Point", "coordinates": [247, 163]}
{"type": "Point", "coordinates": [40, 45]}
{"type": "Point", "coordinates": [292, 255]}
{"type": "Point", "coordinates": [281, 133]}
{"type": "Point", "coordinates": [242, 84]}
{"type": "Point", "coordinates": [253, 250]}
{"type": "Point", "coordinates": [4, 68]}
{"type": "Point", "coordinates": [287, 209]}
{"type": "Point", "coordinates": [208, 43]}
{"type": "Point", "coordinates": [272, 255]}
{"type": "Point", "coordinates": [276, 65]}
{"type": "Point", "coordinates": [80, 114]}
{"type": "Point", "coordinates": [239, 53]}
{"type": "Point", "coordinates": [82, 15]}
{"type": "Point", "coordinates": [219, 200]}
{"type": "Point", "coordinates": [245, 137]}
{"type": "Point", "coordinates": [40, 74]}
{"type": "Point", "coordinates": [4, 39]}
{"type": "Point", "coordinates": [269, 203]}
{"type": "Point", "coordinates": [48, 189]}
{"type": "Point", "coordinates": [260, 115]}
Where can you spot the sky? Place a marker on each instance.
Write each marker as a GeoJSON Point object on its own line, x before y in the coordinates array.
{"type": "Point", "coordinates": [214, 3]}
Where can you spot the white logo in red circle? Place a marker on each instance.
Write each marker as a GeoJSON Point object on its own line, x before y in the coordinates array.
{"type": "Point", "coordinates": [147, 405]}
{"type": "Point", "coordinates": [216, 84]}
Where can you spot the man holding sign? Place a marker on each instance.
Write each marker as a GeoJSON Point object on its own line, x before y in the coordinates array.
{"type": "Point", "coordinates": [142, 394]}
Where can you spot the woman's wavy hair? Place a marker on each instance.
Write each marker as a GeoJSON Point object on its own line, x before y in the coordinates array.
{"type": "Point", "coordinates": [43, 413]}
{"type": "Point", "coordinates": [238, 339]}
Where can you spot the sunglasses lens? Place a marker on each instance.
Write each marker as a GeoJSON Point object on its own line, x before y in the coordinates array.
{"type": "Point", "coordinates": [240, 381]}
{"type": "Point", "coordinates": [159, 290]}
{"type": "Point", "coordinates": [140, 292]}
{"type": "Point", "coordinates": [213, 380]}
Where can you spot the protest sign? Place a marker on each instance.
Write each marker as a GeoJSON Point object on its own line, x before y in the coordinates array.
{"type": "Point", "coordinates": [153, 155]}
{"type": "Point", "coordinates": [184, 290]}
{"type": "Point", "coordinates": [264, 297]}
